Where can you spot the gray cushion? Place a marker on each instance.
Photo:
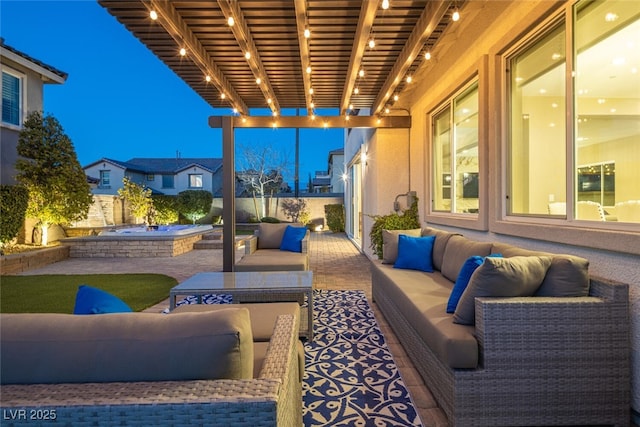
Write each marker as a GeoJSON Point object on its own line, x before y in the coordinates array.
{"type": "Point", "coordinates": [501, 277]}
{"type": "Point", "coordinates": [458, 249]}
{"type": "Point", "coordinates": [64, 348]}
{"type": "Point", "coordinates": [442, 237]}
{"type": "Point", "coordinates": [568, 276]}
{"type": "Point", "coordinates": [270, 235]}
{"type": "Point", "coordinates": [390, 243]}
{"type": "Point", "coordinates": [273, 260]}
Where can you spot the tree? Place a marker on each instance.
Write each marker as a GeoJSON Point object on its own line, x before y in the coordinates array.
{"type": "Point", "coordinates": [49, 169]}
{"type": "Point", "coordinates": [139, 199]}
{"type": "Point", "coordinates": [14, 200]}
{"type": "Point", "coordinates": [296, 210]}
{"type": "Point", "coordinates": [194, 204]}
{"type": "Point", "coordinates": [262, 171]}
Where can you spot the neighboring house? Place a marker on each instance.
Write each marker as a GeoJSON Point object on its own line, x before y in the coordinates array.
{"type": "Point", "coordinates": [23, 80]}
{"type": "Point", "coordinates": [167, 176]}
{"type": "Point", "coordinates": [332, 180]}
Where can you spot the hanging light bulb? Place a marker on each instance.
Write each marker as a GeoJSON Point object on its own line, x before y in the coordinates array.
{"type": "Point", "coordinates": [409, 79]}
{"type": "Point", "coordinates": [269, 101]}
{"type": "Point", "coordinates": [372, 43]}
{"type": "Point", "coordinates": [208, 78]}
{"type": "Point", "coordinates": [356, 91]}
{"type": "Point", "coordinates": [274, 114]}
{"type": "Point", "coordinates": [223, 96]}
{"type": "Point", "coordinates": [247, 55]}
{"type": "Point", "coordinates": [183, 51]}
{"type": "Point", "coordinates": [385, 4]}
{"type": "Point", "coordinates": [312, 105]}
{"type": "Point", "coordinates": [308, 69]}
{"type": "Point", "coordinates": [456, 15]}
{"type": "Point", "coordinates": [235, 111]}
{"type": "Point", "coordinates": [361, 73]}
{"type": "Point", "coordinates": [307, 33]}
{"type": "Point", "coordinates": [387, 110]}
{"type": "Point", "coordinates": [313, 117]}
{"type": "Point", "coordinates": [396, 97]}
{"type": "Point", "coordinates": [310, 91]}
{"type": "Point", "coordinates": [350, 106]}
{"type": "Point", "coordinates": [231, 21]}
{"type": "Point", "coordinates": [258, 80]}
{"type": "Point", "coordinates": [427, 55]}
{"type": "Point", "coordinates": [153, 15]}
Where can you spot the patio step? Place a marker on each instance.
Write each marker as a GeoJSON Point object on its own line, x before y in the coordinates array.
{"type": "Point", "coordinates": [208, 242]}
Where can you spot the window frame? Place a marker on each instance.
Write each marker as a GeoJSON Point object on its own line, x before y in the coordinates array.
{"type": "Point", "coordinates": [201, 186]}
{"type": "Point", "coordinates": [476, 74]}
{"type": "Point", "coordinates": [604, 235]}
{"type": "Point", "coordinates": [22, 79]}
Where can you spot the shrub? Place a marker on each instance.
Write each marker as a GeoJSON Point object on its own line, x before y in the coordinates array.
{"type": "Point", "coordinates": [270, 219]}
{"type": "Point", "coordinates": [166, 209]}
{"type": "Point", "coordinates": [394, 221]}
{"type": "Point", "coordinates": [194, 204]}
{"type": "Point", "coordinates": [139, 199]}
{"type": "Point", "coordinates": [13, 207]}
{"type": "Point", "coordinates": [296, 210]}
{"type": "Point", "coordinates": [335, 217]}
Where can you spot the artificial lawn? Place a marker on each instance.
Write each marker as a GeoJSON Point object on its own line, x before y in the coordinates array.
{"type": "Point", "coordinates": [56, 293]}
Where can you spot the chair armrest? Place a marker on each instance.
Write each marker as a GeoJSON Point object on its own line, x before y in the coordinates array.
{"type": "Point", "coordinates": [531, 331]}
{"type": "Point", "coordinates": [305, 242]}
{"type": "Point", "coordinates": [251, 245]}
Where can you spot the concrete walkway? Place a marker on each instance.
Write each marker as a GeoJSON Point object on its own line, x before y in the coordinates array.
{"type": "Point", "coordinates": [336, 264]}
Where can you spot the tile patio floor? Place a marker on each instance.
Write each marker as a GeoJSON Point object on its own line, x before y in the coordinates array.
{"type": "Point", "coordinates": [336, 264]}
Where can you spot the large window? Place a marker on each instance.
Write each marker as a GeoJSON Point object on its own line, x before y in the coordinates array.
{"type": "Point", "coordinates": [589, 167]}
{"type": "Point", "coordinates": [195, 180]}
{"type": "Point", "coordinates": [12, 98]}
{"type": "Point", "coordinates": [105, 179]}
{"type": "Point", "coordinates": [455, 153]}
{"type": "Point", "coordinates": [167, 181]}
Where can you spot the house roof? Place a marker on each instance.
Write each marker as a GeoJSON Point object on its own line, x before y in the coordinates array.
{"type": "Point", "coordinates": [50, 73]}
{"type": "Point", "coordinates": [273, 32]}
{"type": "Point", "coordinates": [163, 165]}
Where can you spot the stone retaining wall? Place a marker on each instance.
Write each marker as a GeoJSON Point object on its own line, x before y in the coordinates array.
{"type": "Point", "coordinates": [17, 263]}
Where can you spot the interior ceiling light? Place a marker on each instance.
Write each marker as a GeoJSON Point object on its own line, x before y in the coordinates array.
{"type": "Point", "coordinates": [307, 33]}
{"type": "Point", "coordinates": [427, 56]}
{"type": "Point", "coordinates": [310, 91]}
{"type": "Point", "coordinates": [456, 15]}
{"type": "Point", "coordinates": [153, 15]}
{"type": "Point", "coordinates": [350, 106]}
{"type": "Point", "coordinates": [387, 110]}
{"type": "Point", "coordinates": [269, 101]}
{"type": "Point", "coordinates": [258, 80]}
{"type": "Point", "coordinates": [247, 55]}
{"type": "Point", "coordinates": [372, 43]}
{"type": "Point", "coordinates": [183, 51]}
{"type": "Point", "coordinates": [208, 78]}
{"type": "Point", "coordinates": [308, 69]}
{"type": "Point", "coordinates": [409, 79]}
{"type": "Point", "coordinates": [223, 96]}
{"type": "Point", "coordinates": [396, 97]}
{"type": "Point", "coordinates": [385, 4]}
{"type": "Point", "coordinates": [235, 111]}
{"type": "Point", "coordinates": [361, 73]}
{"type": "Point", "coordinates": [231, 21]}
{"type": "Point", "coordinates": [356, 91]}
{"type": "Point", "coordinates": [312, 105]}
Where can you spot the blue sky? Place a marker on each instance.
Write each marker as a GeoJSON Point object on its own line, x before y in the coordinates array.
{"type": "Point", "coordinates": [120, 101]}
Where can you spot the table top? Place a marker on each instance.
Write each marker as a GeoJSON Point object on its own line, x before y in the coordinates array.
{"type": "Point", "coordinates": [246, 280]}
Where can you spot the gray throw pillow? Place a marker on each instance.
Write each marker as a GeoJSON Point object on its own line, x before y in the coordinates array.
{"type": "Point", "coordinates": [568, 276]}
{"type": "Point", "coordinates": [518, 276]}
{"type": "Point", "coordinates": [390, 243]}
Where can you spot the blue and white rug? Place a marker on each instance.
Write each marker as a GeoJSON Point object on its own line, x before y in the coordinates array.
{"type": "Point", "coordinates": [350, 376]}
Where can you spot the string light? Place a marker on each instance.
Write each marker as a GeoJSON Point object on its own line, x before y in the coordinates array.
{"type": "Point", "coordinates": [387, 110]}
{"type": "Point", "coordinates": [351, 107]}
{"type": "Point", "coordinates": [456, 15]}
{"type": "Point", "coordinates": [307, 33]}
{"type": "Point", "coordinates": [274, 114]}
{"type": "Point", "coordinates": [310, 91]}
{"type": "Point", "coordinates": [231, 21]}
{"type": "Point", "coordinates": [247, 55]}
{"type": "Point", "coordinates": [235, 111]}
{"type": "Point", "coordinates": [223, 96]}
{"type": "Point", "coordinates": [258, 80]}
{"type": "Point", "coordinates": [356, 91]}
{"type": "Point", "coordinates": [372, 43]}
{"type": "Point", "coordinates": [208, 78]}
{"type": "Point", "coordinates": [153, 15]}
{"type": "Point", "coordinates": [427, 56]}
{"type": "Point", "coordinates": [396, 97]}
{"type": "Point", "coordinates": [409, 79]}
{"type": "Point", "coordinates": [312, 105]}
{"type": "Point", "coordinates": [183, 51]}
{"type": "Point", "coordinates": [308, 69]}
{"type": "Point", "coordinates": [361, 73]}
{"type": "Point", "coordinates": [385, 4]}
{"type": "Point", "coordinates": [269, 101]}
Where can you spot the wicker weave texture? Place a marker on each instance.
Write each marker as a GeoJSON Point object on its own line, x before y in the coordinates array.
{"type": "Point", "coordinates": [543, 361]}
{"type": "Point", "coordinates": [274, 399]}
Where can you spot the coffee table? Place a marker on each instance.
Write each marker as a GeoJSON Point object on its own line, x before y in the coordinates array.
{"type": "Point", "coordinates": [268, 286]}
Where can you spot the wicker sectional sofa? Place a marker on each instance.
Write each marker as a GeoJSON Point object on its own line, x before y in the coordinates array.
{"type": "Point", "coordinates": [529, 360]}
{"type": "Point", "coordinates": [190, 368]}
{"type": "Point", "coordinates": [262, 251]}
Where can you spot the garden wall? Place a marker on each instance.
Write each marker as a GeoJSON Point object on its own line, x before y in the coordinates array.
{"type": "Point", "coordinates": [17, 263]}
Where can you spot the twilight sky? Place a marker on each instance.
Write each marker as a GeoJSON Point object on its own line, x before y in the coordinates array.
{"type": "Point", "coordinates": [120, 101]}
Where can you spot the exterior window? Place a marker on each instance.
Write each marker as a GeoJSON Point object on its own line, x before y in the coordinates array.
{"type": "Point", "coordinates": [455, 156]}
{"type": "Point", "coordinates": [167, 181]}
{"type": "Point", "coordinates": [599, 182]}
{"type": "Point", "coordinates": [11, 99]}
{"type": "Point", "coordinates": [195, 180]}
{"type": "Point", "coordinates": [537, 157]}
{"type": "Point", "coordinates": [606, 97]}
{"type": "Point", "coordinates": [105, 179]}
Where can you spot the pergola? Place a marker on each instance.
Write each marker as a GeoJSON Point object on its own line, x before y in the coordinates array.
{"type": "Point", "coordinates": [348, 55]}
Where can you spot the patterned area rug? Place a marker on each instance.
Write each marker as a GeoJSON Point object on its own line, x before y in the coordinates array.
{"type": "Point", "coordinates": [350, 377]}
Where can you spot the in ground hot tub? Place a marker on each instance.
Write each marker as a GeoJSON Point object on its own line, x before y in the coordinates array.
{"type": "Point", "coordinates": [138, 242]}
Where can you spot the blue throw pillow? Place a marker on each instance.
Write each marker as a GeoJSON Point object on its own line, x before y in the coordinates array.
{"type": "Point", "coordinates": [91, 300]}
{"type": "Point", "coordinates": [415, 253]}
{"type": "Point", "coordinates": [469, 266]}
{"type": "Point", "coordinates": [292, 239]}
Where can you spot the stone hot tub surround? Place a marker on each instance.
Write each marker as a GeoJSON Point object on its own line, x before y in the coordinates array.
{"type": "Point", "coordinates": [136, 244]}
